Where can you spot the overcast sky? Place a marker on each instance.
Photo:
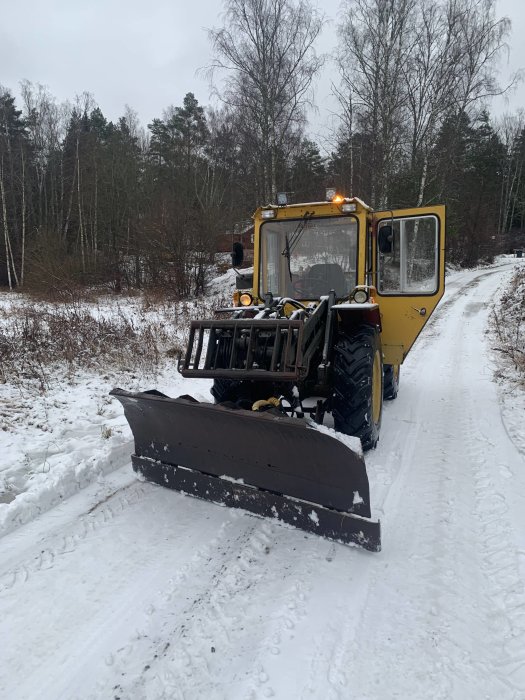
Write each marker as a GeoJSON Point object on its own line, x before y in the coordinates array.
{"type": "Point", "coordinates": [148, 54]}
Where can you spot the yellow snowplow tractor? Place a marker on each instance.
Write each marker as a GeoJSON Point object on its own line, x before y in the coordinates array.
{"type": "Point", "coordinates": [338, 296]}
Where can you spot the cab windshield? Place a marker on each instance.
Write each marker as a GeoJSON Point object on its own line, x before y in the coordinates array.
{"type": "Point", "coordinates": [306, 258]}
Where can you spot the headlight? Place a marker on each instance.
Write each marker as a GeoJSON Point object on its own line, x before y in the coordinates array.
{"type": "Point", "coordinates": [246, 299]}
{"type": "Point", "coordinates": [360, 296]}
{"type": "Point", "coordinates": [348, 207]}
{"type": "Point", "coordinates": [268, 214]}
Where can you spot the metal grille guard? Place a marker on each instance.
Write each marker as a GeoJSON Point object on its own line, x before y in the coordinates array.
{"type": "Point", "coordinates": [277, 349]}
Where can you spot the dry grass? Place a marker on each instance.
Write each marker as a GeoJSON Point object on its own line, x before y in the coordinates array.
{"type": "Point", "coordinates": [136, 335]}
{"type": "Point", "coordinates": [508, 324]}
{"type": "Point", "coordinates": [37, 337]}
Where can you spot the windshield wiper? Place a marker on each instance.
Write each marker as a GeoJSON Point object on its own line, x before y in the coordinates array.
{"type": "Point", "coordinates": [286, 253]}
{"type": "Point", "coordinates": [291, 243]}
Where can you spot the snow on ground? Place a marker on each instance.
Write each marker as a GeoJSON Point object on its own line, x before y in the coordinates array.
{"type": "Point", "coordinates": [59, 428]}
{"type": "Point", "coordinates": [57, 443]}
{"type": "Point", "coordinates": [128, 590]}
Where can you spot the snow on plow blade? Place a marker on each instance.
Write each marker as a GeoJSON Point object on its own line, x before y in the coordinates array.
{"type": "Point", "coordinates": [272, 466]}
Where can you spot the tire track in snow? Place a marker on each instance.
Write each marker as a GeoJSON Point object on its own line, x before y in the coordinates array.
{"type": "Point", "coordinates": [165, 621]}
{"type": "Point", "coordinates": [224, 621]}
{"type": "Point", "coordinates": [500, 563]}
{"type": "Point", "coordinates": [61, 545]}
{"type": "Point", "coordinates": [429, 547]}
{"type": "Point", "coordinates": [403, 629]}
{"type": "Point", "coordinates": [119, 627]}
{"type": "Point", "coordinates": [387, 474]}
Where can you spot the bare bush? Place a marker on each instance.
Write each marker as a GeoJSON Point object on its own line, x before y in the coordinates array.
{"type": "Point", "coordinates": [37, 337]}
{"type": "Point", "coordinates": [508, 323]}
{"type": "Point", "coordinates": [40, 337]}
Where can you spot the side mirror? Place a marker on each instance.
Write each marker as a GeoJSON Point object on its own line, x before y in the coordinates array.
{"type": "Point", "coordinates": [237, 254]}
{"type": "Point", "coordinates": [385, 239]}
{"type": "Point", "coordinates": [244, 281]}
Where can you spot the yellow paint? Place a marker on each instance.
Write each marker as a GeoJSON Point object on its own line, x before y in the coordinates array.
{"type": "Point", "coordinates": [264, 403]}
{"type": "Point", "coordinates": [401, 320]}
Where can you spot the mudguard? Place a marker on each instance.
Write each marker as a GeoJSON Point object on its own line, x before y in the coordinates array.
{"type": "Point", "coordinates": [271, 465]}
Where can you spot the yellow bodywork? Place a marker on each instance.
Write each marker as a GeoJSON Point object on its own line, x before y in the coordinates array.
{"type": "Point", "coordinates": [403, 315]}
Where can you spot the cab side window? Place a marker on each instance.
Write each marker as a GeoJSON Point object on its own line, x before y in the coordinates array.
{"type": "Point", "coordinates": [407, 255]}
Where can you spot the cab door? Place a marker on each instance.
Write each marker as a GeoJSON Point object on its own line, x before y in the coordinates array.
{"type": "Point", "coordinates": [408, 272]}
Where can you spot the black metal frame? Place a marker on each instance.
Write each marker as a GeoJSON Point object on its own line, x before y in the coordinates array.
{"type": "Point", "coordinates": [288, 344]}
{"type": "Point", "coordinates": [281, 336]}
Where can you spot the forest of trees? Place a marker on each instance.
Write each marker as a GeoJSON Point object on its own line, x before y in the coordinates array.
{"type": "Point", "coordinates": [84, 200]}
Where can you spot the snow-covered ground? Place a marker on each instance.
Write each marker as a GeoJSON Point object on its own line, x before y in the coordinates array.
{"type": "Point", "coordinates": [115, 588]}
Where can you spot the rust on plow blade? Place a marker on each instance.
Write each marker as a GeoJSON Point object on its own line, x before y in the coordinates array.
{"type": "Point", "coordinates": [270, 465]}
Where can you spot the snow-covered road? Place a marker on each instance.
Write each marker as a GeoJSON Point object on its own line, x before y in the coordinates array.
{"type": "Point", "coordinates": [127, 590]}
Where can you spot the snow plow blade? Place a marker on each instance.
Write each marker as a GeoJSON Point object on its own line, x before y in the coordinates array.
{"type": "Point", "coordinates": [270, 465]}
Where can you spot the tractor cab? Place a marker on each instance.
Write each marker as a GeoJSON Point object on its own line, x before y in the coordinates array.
{"type": "Point", "coordinates": [393, 258]}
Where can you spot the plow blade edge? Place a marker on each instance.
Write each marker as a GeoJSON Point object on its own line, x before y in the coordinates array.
{"type": "Point", "coordinates": [270, 465]}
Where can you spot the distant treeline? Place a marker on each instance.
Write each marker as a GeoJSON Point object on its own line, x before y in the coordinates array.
{"type": "Point", "coordinates": [84, 200]}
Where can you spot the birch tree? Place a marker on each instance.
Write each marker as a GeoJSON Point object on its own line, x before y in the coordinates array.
{"type": "Point", "coordinates": [451, 69]}
{"type": "Point", "coordinates": [376, 38]}
{"type": "Point", "coordinates": [266, 49]}
{"type": "Point", "coordinates": [512, 133]}
{"type": "Point", "coordinates": [46, 129]}
{"type": "Point", "coordinates": [406, 66]}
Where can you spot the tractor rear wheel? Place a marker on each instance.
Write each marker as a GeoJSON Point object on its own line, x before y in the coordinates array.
{"type": "Point", "coordinates": [391, 381]}
{"type": "Point", "coordinates": [357, 400]}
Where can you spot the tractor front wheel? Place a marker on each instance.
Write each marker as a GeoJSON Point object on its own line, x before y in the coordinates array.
{"type": "Point", "coordinates": [357, 400]}
{"type": "Point", "coordinates": [224, 390]}
{"type": "Point", "coordinates": [241, 393]}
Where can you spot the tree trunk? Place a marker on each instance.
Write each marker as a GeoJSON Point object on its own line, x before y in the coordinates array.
{"type": "Point", "coordinates": [423, 180]}
{"type": "Point", "coordinates": [70, 203]}
{"type": "Point", "coordinates": [23, 251]}
{"type": "Point", "coordinates": [80, 220]}
{"type": "Point", "coordinates": [6, 227]}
